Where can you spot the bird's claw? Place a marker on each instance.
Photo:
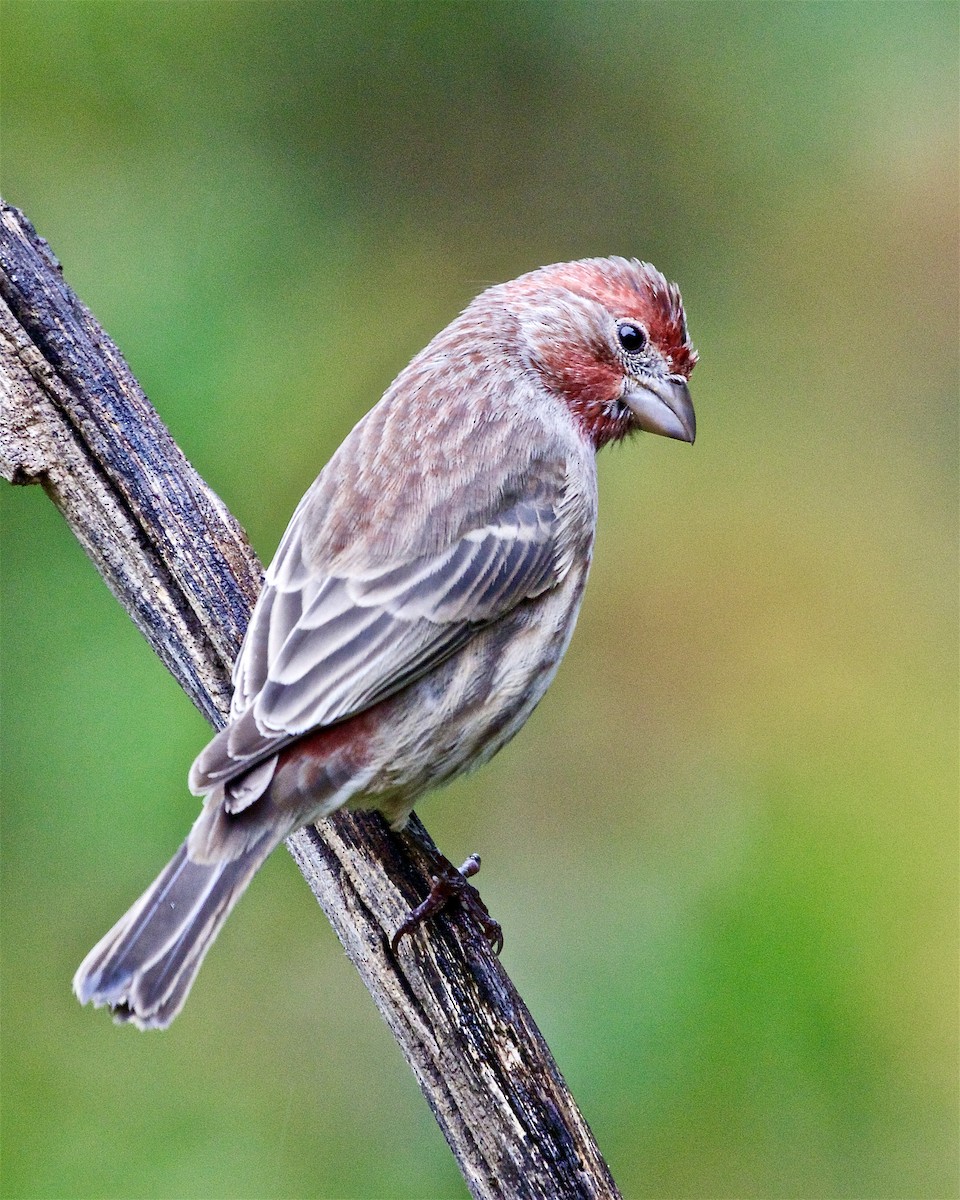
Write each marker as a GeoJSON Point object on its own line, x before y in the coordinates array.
{"type": "Point", "coordinates": [451, 884]}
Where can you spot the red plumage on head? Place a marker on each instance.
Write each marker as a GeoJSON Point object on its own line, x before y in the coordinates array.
{"type": "Point", "coordinates": [632, 290]}
{"type": "Point", "coordinates": [576, 354]}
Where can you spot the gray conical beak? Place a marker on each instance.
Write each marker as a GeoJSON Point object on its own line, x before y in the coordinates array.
{"type": "Point", "coordinates": [662, 406]}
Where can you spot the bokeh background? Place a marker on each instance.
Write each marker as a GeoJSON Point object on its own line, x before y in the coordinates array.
{"type": "Point", "coordinates": [725, 848]}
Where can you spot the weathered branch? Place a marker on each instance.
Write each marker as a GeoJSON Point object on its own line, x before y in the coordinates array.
{"type": "Point", "coordinates": [73, 419]}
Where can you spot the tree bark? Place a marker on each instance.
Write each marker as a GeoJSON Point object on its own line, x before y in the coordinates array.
{"type": "Point", "coordinates": [73, 419]}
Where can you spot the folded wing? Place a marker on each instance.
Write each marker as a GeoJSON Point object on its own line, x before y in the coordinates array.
{"type": "Point", "coordinates": [323, 646]}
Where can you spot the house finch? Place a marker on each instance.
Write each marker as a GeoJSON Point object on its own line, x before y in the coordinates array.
{"type": "Point", "coordinates": [422, 596]}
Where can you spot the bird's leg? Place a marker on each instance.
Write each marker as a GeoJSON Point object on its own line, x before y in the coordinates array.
{"type": "Point", "coordinates": [448, 883]}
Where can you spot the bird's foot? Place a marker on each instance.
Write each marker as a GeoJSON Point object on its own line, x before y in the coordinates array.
{"type": "Point", "coordinates": [451, 884]}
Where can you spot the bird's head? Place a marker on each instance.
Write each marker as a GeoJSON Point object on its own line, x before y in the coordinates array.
{"type": "Point", "coordinates": [608, 335]}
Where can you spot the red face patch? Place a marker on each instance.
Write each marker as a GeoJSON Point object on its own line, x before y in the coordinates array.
{"type": "Point", "coordinates": [636, 291]}
{"type": "Point", "coordinates": [587, 369]}
{"type": "Point", "coordinates": [630, 290]}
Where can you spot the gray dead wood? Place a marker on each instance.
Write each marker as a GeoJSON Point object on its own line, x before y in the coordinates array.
{"type": "Point", "coordinates": [73, 419]}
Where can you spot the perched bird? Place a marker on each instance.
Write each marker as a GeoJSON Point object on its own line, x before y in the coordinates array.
{"type": "Point", "coordinates": [422, 596]}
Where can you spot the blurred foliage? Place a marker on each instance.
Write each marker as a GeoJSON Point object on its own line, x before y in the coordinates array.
{"type": "Point", "coordinates": [724, 850]}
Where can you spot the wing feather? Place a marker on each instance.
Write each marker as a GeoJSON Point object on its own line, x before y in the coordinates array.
{"type": "Point", "coordinates": [359, 639]}
{"type": "Point", "coordinates": [329, 638]}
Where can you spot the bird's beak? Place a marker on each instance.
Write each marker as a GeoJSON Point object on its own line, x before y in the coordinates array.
{"type": "Point", "coordinates": [662, 406]}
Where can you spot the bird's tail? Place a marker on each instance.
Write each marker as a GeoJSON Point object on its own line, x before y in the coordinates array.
{"type": "Point", "coordinates": [144, 967]}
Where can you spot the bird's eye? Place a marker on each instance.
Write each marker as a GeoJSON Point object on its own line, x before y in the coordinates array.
{"type": "Point", "coordinates": [631, 337]}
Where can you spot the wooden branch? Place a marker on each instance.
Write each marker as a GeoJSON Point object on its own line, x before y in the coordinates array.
{"type": "Point", "coordinates": [73, 419]}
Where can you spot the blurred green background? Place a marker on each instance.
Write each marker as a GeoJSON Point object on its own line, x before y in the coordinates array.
{"type": "Point", "coordinates": [725, 848]}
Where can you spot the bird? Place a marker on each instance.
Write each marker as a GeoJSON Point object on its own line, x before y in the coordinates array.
{"type": "Point", "coordinates": [422, 596]}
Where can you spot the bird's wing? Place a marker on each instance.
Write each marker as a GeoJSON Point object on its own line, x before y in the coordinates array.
{"type": "Point", "coordinates": [323, 645]}
{"type": "Point", "coordinates": [338, 644]}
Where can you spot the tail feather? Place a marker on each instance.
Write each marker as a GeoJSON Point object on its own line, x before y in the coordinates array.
{"type": "Point", "coordinates": [144, 967]}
